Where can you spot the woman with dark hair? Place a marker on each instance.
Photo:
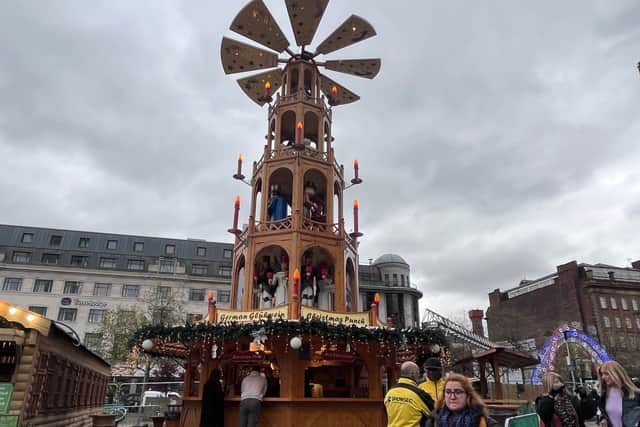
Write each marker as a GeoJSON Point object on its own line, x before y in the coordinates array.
{"type": "Point", "coordinates": [618, 397]}
{"type": "Point", "coordinates": [459, 405]}
{"type": "Point", "coordinates": [212, 414]}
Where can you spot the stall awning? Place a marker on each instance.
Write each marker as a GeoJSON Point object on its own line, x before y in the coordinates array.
{"type": "Point", "coordinates": [502, 357]}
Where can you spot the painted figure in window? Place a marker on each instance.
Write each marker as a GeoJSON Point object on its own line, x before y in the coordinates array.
{"type": "Point", "coordinates": [309, 284]}
{"type": "Point", "coordinates": [313, 203]}
{"type": "Point", "coordinates": [280, 281]}
{"type": "Point", "coordinates": [277, 208]}
{"type": "Point", "coordinates": [263, 279]}
{"type": "Point", "coordinates": [325, 287]}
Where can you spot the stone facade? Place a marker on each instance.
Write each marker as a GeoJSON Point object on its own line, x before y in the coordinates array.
{"type": "Point", "coordinates": [601, 300]}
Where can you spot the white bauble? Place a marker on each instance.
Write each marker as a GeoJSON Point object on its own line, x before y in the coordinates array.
{"type": "Point", "coordinates": [295, 343]}
{"type": "Point", "coordinates": [147, 345]}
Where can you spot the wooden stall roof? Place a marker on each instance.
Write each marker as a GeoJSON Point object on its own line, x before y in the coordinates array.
{"type": "Point", "coordinates": [503, 357]}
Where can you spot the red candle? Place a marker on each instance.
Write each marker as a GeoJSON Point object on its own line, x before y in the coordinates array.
{"type": "Point", "coordinates": [267, 89]}
{"type": "Point", "coordinates": [236, 210]}
{"type": "Point", "coordinates": [355, 216]}
{"type": "Point", "coordinates": [376, 302]}
{"type": "Point", "coordinates": [296, 281]}
{"type": "Point", "coordinates": [299, 134]}
{"type": "Point", "coordinates": [355, 168]}
{"type": "Point", "coordinates": [239, 164]}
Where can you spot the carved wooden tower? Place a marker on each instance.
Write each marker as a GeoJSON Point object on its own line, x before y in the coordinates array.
{"type": "Point", "coordinates": [295, 249]}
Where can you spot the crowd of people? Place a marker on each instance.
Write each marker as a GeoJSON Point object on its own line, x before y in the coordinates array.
{"type": "Point", "coordinates": [452, 401]}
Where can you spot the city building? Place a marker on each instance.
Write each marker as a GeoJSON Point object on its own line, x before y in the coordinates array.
{"type": "Point", "coordinates": [600, 301]}
{"type": "Point", "coordinates": [74, 276]}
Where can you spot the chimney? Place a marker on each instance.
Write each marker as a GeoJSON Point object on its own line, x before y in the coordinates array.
{"type": "Point", "coordinates": [636, 264]}
{"type": "Point", "coordinates": [476, 317]}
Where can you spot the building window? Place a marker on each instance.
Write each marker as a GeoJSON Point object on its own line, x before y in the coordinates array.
{"type": "Point", "coordinates": [386, 279]}
{"type": "Point", "coordinates": [193, 318]}
{"type": "Point", "coordinates": [395, 280]}
{"type": "Point", "coordinates": [170, 249]}
{"type": "Point", "coordinates": [614, 304]}
{"type": "Point", "coordinates": [603, 302]}
{"type": "Point", "coordinates": [112, 244]}
{"type": "Point", "coordinates": [638, 322]}
{"type": "Point", "coordinates": [167, 266]}
{"type": "Point", "coordinates": [96, 316]}
{"type": "Point", "coordinates": [27, 238]}
{"type": "Point", "coordinates": [84, 242]}
{"type": "Point", "coordinates": [612, 341]}
{"type": "Point", "coordinates": [107, 263]}
{"type": "Point", "coordinates": [224, 271]}
{"type": "Point", "coordinates": [634, 304]}
{"type": "Point", "coordinates": [138, 247]}
{"type": "Point", "coordinates": [199, 269]}
{"type": "Point", "coordinates": [43, 286]}
{"type": "Point", "coordinates": [130, 291]}
{"type": "Point", "coordinates": [55, 240]}
{"type": "Point", "coordinates": [628, 322]}
{"type": "Point", "coordinates": [50, 258]}
{"type": "Point", "coordinates": [163, 293]}
{"type": "Point", "coordinates": [402, 280]}
{"type": "Point", "coordinates": [201, 251]}
{"type": "Point", "coordinates": [102, 290]}
{"type": "Point", "coordinates": [623, 342]}
{"type": "Point", "coordinates": [223, 296]}
{"type": "Point", "coordinates": [606, 321]}
{"type": "Point", "coordinates": [623, 303]}
{"type": "Point", "coordinates": [196, 295]}
{"type": "Point", "coordinates": [12, 284]}
{"type": "Point", "coordinates": [72, 288]}
{"type": "Point", "coordinates": [22, 257]}
{"type": "Point", "coordinates": [67, 314]}
{"type": "Point", "coordinates": [79, 261]}
{"type": "Point", "coordinates": [618, 322]}
{"type": "Point", "coordinates": [42, 311]}
{"type": "Point", "coordinates": [227, 253]}
{"type": "Point", "coordinates": [92, 340]}
{"type": "Point", "coordinates": [135, 264]}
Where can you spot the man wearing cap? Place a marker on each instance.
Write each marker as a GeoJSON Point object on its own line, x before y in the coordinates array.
{"type": "Point", "coordinates": [433, 383]}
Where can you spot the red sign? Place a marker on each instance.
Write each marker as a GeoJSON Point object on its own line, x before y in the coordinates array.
{"type": "Point", "coordinates": [338, 355]}
{"type": "Point", "coordinates": [247, 356]}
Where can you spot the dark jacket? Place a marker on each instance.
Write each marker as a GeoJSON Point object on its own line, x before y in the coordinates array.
{"type": "Point", "coordinates": [627, 404]}
{"type": "Point", "coordinates": [212, 414]}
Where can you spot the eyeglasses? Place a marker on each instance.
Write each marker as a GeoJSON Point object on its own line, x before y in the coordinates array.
{"type": "Point", "coordinates": [456, 392]}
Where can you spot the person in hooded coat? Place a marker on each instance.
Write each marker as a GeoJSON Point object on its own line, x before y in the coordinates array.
{"type": "Point", "coordinates": [212, 414]}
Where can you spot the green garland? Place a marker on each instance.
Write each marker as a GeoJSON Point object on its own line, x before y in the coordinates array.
{"type": "Point", "coordinates": [411, 337]}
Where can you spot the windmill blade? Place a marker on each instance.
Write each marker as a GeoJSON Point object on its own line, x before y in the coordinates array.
{"type": "Point", "coordinates": [353, 30]}
{"type": "Point", "coordinates": [254, 86]}
{"type": "Point", "coordinates": [367, 68]}
{"type": "Point", "coordinates": [305, 15]}
{"type": "Point", "coordinates": [335, 93]}
{"type": "Point", "coordinates": [238, 57]}
{"type": "Point", "coordinates": [255, 22]}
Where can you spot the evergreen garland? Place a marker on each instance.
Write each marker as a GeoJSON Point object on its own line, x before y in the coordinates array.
{"type": "Point", "coordinates": [410, 337]}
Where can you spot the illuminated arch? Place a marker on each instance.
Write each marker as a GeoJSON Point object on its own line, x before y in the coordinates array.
{"type": "Point", "coordinates": [564, 334]}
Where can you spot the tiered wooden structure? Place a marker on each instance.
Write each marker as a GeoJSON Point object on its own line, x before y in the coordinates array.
{"type": "Point", "coordinates": [294, 262]}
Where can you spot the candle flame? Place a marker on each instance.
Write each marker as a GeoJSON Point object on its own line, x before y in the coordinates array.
{"type": "Point", "coordinates": [376, 298]}
{"type": "Point", "coordinates": [210, 296]}
{"type": "Point", "coordinates": [267, 85]}
{"type": "Point", "coordinates": [355, 204]}
{"type": "Point", "coordinates": [355, 163]}
{"type": "Point", "coordinates": [296, 274]}
{"type": "Point", "coordinates": [334, 90]}
{"type": "Point", "coordinates": [299, 125]}
{"type": "Point", "coordinates": [240, 156]}
{"type": "Point", "coordinates": [238, 200]}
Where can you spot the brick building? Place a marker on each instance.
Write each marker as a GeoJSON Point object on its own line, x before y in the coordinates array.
{"type": "Point", "coordinates": [601, 300]}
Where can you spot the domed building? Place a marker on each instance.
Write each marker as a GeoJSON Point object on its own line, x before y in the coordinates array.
{"type": "Point", "coordinates": [389, 275]}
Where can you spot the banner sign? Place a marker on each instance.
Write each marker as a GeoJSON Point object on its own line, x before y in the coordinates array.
{"type": "Point", "coordinates": [335, 318]}
{"type": "Point", "coordinates": [339, 356]}
{"type": "Point", "coordinates": [247, 356]}
{"type": "Point", "coordinates": [228, 316]}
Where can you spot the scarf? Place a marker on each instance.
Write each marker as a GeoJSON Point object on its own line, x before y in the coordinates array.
{"type": "Point", "coordinates": [468, 417]}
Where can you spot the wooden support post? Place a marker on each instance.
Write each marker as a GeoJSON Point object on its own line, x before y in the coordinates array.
{"type": "Point", "coordinates": [211, 313]}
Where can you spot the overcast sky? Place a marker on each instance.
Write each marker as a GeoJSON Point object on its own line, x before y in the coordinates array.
{"type": "Point", "coordinates": [499, 140]}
